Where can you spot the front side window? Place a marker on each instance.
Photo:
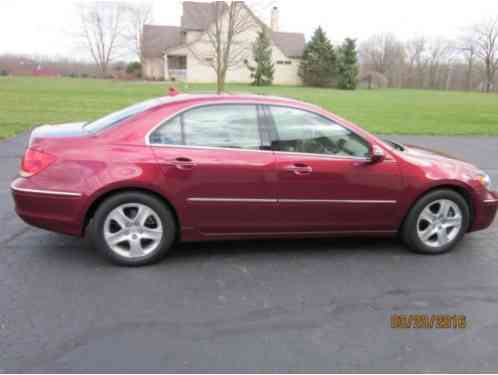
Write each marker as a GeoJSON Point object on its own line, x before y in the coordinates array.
{"type": "Point", "coordinates": [221, 126]}
{"type": "Point", "coordinates": [306, 132]}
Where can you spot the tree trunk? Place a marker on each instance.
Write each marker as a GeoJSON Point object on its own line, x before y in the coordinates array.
{"type": "Point", "coordinates": [220, 83]}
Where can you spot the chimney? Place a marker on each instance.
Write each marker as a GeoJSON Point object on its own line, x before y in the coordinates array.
{"type": "Point", "coordinates": [275, 18]}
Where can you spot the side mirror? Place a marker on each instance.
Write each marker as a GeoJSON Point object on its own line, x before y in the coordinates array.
{"type": "Point", "coordinates": [377, 155]}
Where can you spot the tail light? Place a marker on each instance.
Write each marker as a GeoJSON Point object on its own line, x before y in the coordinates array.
{"type": "Point", "coordinates": [35, 161]}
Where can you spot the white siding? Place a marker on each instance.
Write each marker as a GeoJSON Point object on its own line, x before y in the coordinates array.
{"type": "Point", "coordinates": [153, 68]}
{"type": "Point", "coordinates": [199, 71]}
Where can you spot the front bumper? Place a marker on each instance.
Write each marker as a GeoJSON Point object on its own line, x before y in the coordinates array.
{"type": "Point", "coordinates": [54, 210]}
{"type": "Point", "coordinates": [485, 212]}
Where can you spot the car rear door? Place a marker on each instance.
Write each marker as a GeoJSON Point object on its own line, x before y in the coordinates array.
{"type": "Point", "coordinates": [324, 181]}
{"type": "Point", "coordinates": [217, 169]}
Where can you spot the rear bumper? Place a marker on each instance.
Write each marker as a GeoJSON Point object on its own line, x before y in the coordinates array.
{"type": "Point", "coordinates": [54, 210]}
{"type": "Point", "coordinates": [485, 212]}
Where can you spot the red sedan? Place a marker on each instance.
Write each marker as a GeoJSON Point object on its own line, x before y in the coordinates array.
{"type": "Point", "coordinates": [196, 168]}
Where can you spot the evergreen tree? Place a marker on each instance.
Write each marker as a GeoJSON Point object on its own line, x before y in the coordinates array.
{"type": "Point", "coordinates": [263, 72]}
{"type": "Point", "coordinates": [318, 66]}
{"type": "Point", "coordinates": [347, 67]}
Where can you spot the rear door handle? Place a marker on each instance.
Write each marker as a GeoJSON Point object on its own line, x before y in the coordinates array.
{"type": "Point", "coordinates": [299, 169]}
{"type": "Point", "coordinates": [181, 163]}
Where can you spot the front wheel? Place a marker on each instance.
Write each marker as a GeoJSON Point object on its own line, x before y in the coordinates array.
{"type": "Point", "coordinates": [437, 222]}
{"type": "Point", "coordinates": [133, 229]}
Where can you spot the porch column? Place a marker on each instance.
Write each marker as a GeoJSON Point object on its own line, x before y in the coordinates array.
{"type": "Point", "coordinates": [166, 69]}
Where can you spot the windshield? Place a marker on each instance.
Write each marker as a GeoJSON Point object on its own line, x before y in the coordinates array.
{"type": "Point", "coordinates": [119, 116]}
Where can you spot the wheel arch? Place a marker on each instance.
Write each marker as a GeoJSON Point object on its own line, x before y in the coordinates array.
{"type": "Point", "coordinates": [90, 212]}
{"type": "Point", "coordinates": [461, 189]}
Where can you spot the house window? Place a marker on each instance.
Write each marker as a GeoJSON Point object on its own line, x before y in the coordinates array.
{"type": "Point", "coordinates": [286, 62]}
{"type": "Point", "coordinates": [209, 59]}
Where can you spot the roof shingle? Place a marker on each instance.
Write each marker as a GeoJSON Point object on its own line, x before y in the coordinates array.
{"type": "Point", "coordinates": [157, 39]}
{"type": "Point", "coordinates": [291, 44]}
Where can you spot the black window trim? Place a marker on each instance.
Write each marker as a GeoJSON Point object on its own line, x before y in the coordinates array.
{"type": "Point", "coordinates": [270, 121]}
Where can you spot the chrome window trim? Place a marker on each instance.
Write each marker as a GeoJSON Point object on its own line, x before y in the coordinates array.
{"type": "Point", "coordinates": [207, 148]}
{"type": "Point", "coordinates": [45, 192]}
{"type": "Point", "coordinates": [239, 102]}
{"type": "Point", "coordinates": [250, 200]}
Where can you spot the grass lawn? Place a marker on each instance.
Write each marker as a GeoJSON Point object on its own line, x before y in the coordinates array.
{"type": "Point", "coordinates": [26, 101]}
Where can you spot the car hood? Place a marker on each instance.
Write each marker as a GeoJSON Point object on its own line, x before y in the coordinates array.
{"type": "Point", "coordinates": [438, 160]}
{"type": "Point", "coordinates": [73, 129]}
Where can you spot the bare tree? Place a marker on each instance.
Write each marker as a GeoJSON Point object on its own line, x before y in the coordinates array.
{"type": "Point", "coordinates": [467, 46]}
{"type": "Point", "coordinates": [440, 52]}
{"type": "Point", "coordinates": [416, 62]}
{"type": "Point", "coordinates": [486, 39]}
{"type": "Point", "coordinates": [223, 46]}
{"type": "Point", "coordinates": [137, 15]}
{"type": "Point", "coordinates": [384, 54]}
{"type": "Point", "coordinates": [101, 27]}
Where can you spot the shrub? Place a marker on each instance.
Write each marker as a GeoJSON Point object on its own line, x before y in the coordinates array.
{"type": "Point", "coordinates": [134, 68]}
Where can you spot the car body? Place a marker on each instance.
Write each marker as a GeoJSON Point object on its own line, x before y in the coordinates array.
{"type": "Point", "coordinates": [239, 167]}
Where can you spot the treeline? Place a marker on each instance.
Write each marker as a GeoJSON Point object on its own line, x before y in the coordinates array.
{"type": "Point", "coordinates": [19, 65]}
{"type": "Point", "coordinates": [467, 63]}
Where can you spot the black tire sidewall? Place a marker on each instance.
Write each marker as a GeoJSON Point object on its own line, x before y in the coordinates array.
{"type": "Point", "coordinates": [409, 232]}
{"type": "Point", "coordinates": [165, 215]}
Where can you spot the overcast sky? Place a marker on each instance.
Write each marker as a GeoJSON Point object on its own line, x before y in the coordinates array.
{"type": "Point", "coordinates": [47, 27]}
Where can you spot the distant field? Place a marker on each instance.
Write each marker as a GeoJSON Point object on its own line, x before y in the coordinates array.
{"type": "Point", "coordinates": [25, 102]}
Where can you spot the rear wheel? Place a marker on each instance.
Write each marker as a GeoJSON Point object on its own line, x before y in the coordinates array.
{"type": "Point", "coordinates": [133, 229]}
{"type": "Point", "coordinates": [437, 222]}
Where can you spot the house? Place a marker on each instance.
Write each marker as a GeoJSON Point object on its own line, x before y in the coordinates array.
{"type": "Point", "coordinates": [184, 52]}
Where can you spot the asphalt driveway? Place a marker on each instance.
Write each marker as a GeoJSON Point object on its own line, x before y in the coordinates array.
{"type": "Point", "coordinates": [256, 306]}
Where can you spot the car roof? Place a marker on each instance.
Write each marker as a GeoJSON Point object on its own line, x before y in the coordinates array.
{"type": "Point", "coordinates": [204, 97]}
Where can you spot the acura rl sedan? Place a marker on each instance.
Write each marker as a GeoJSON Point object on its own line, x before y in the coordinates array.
{"type": "Point", "coordinates": [206, 167]}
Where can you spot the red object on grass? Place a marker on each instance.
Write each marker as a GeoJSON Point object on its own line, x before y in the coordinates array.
{"type": "Point", "coordinates": [172, 91]}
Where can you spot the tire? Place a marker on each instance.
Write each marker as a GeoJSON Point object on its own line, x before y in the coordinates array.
{"type": "Point", "coordinates": [134, 239]}
{"type": "Point", "coordinates": [444, 233]}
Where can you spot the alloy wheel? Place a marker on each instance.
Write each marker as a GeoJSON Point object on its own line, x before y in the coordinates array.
{"type": "Point", "coordinates": [439, 223]}
{"type": "Point", "coordinates": [133, 230]}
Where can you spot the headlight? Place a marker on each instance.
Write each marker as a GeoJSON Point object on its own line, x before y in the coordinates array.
{"type": "Point", "coordinates": [485, 180]}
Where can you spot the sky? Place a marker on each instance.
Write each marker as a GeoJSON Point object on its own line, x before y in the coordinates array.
{"type": "Point", "coordinates": [48, 27]}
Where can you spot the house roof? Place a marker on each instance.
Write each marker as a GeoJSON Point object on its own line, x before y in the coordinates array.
{"type": "Point", "coordinates": [291, 44]}
{"type": "Point", "coordinates": [198, 16]}
{"type": "Point", "coordinates": [157, 39]}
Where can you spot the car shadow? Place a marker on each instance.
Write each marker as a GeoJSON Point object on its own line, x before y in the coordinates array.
{"type": "Point", "coordinates": [81, 251]}
{"type": "Point", "coordinates": [77, 250]}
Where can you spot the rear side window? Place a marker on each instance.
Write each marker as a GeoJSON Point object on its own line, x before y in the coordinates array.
{"type": "Point", "coordinates": [222, 126]}
{"type": "Point", "coordinates": [116, 118]}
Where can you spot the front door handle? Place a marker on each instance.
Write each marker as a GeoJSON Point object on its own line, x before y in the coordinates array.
{"type": "Point", "coordinates": [181, 163]}
{"type": "Point", "coordinates": [299, 169]}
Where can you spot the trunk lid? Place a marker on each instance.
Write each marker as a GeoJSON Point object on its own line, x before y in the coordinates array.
{"type": "Point", "coordinates": [68, 130]}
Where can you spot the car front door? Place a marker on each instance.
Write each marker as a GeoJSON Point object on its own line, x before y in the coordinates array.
{"type": "Point", "coordinates": [216, 169]}
{"type": "Point", "coordinates": [325, 182]}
